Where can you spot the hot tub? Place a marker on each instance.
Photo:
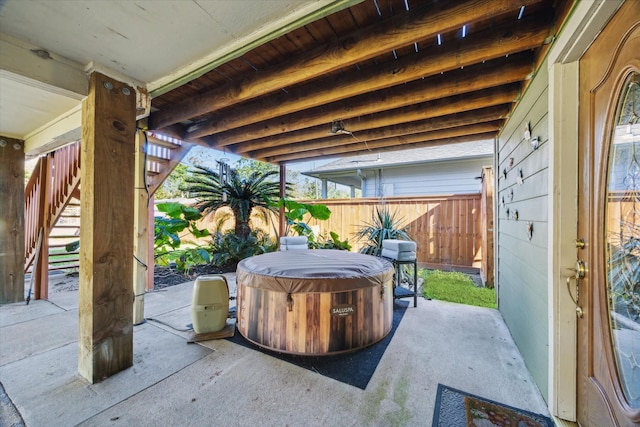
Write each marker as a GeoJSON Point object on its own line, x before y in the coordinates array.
{"type": "Point", "coordinates": [314, 302]}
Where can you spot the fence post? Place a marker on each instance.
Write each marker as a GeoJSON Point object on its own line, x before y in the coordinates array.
{"type": "Point", "coordinates": [486, 213]}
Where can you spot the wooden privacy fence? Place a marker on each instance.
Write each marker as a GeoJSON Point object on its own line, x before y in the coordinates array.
{"type": "Point", "coordinates": [447, 229]}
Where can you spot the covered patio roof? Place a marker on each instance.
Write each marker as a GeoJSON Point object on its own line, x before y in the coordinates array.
{"type": "Point", "coordinates": [284, 82]}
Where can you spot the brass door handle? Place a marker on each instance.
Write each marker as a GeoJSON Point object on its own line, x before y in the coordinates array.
{"type": "Point", "coordinates": [578, 273]}
{"type": "Point", "coordinates": [580, 270]}
{"type": "Point", "coordinates": [575, 300]}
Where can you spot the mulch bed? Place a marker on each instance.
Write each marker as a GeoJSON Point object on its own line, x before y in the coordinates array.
{"type": "Point", "coordinates": [163, 277]}
{"type": "Point", "coordinates": [169, 276]}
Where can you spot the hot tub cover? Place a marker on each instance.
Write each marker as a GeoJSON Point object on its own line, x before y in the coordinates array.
{"type": "Point", "coordinates": [315, 270]}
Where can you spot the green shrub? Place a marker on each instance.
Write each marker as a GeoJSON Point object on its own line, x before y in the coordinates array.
{"type": "Point", "coordinates": [331, 242]}
{"type": "Point", "coordinates": [384, 225]}
{"type": "Point", "coordinates": [229, 248]}
{"type": "Point", "coordinates": [168, 247]}
{"type": "Point", "coordinates": [457, 287]}
{"type": "Point", "coordinates": [295, 213]}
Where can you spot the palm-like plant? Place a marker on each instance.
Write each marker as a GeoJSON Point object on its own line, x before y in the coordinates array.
{"type": "Point", "coordinates": [384, 225]}
{"type": "Point", "coordinates": [241, 194]}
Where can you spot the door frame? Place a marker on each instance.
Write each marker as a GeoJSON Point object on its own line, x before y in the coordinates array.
{"type": "Point", "coordinates": [586, 20]}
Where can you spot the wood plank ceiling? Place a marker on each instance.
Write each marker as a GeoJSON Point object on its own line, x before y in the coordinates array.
{"type": "Point", "coordinates": [381, 75]}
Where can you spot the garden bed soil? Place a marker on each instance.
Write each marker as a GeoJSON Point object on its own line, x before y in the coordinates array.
{"type": "Point", "coordinates": [169, 276]}
{"type": "Point", "coordinates": [162, 277]}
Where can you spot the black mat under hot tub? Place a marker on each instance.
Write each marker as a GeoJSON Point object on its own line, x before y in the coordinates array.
{"type": "Point", "coordinates": [355, 368]}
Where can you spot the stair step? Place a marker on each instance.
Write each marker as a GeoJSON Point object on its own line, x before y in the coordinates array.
{"type": "Point", "coordinates": [66, 254]}
{"type": "Point", "coordinates": [63, 267]}
{"type": "Point", "coordinates": [162, 143]}
{"type": "Point", "coordinates": [161, 160]}
{"type": "Point", "coordinates": [63, 261]}
{"type": "Point", "coordinates": [60, 245]}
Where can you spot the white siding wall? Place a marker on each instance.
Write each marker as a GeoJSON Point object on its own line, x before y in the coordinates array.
{"type": "Point", "coordinates": [521, 264]}
{"type": "Point", "coordinates": [454, 177]}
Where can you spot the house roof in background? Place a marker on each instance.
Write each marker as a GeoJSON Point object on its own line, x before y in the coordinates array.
{"type": "Point", "coordinates": [438, 153]}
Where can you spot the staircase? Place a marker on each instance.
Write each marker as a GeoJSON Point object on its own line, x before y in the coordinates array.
{"type": "Point", "coordinates": [54, 181]}
{"type": "Point", "coordinates": [66, 231]}
{"type": "Point", "coordinates": [52, 204]}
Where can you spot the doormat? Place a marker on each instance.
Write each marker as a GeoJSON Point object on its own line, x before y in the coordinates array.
{"type": "Point", "coordinates": [355, 369]}
{"type": "Point", "coordinates": [457, 408]}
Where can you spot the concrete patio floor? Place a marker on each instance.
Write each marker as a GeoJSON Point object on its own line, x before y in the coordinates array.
{"type": "Point", "coordinates": [223, 383]}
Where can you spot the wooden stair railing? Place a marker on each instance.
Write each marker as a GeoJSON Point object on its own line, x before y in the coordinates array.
{"type": "Point", "coordinates": [55, 181]}
{"type": "Point", "coordinates": [33, 193]}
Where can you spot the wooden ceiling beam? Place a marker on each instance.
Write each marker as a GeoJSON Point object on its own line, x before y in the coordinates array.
{"type": "Point", "coordinates": [483, 47]}
{"type": "Point", "coordinates": [488, 130]}
{"type": "Point", "coordinates": [489, 114]}
{"type": "Point", "coordinates": [394, 33]}
{"type": "Point", "coordinates": [412, 113]}
{"type": "Point", "coordinates": [399, 142]}
{"type": "Point", "coordinates": [470, 79]}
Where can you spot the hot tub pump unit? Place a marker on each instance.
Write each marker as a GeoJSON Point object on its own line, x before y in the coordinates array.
{"type": "Point", "coordinates": [210, 304]}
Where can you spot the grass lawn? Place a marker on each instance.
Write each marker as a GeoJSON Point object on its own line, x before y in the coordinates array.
{"type": "Point", "coordinates": [457, 287]}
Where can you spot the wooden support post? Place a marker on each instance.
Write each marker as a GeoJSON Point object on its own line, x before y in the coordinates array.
{"type": "Point", "coordinates": [105, 337]}
{"type": "Point", "coordinates": [140, 230]}
{"type": "Point", "coordinates": [11, 220]}
{"type": "Point", "coordinates": [283, 194]}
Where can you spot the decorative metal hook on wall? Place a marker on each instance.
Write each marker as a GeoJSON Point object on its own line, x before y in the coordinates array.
{"type": "Point", "coordinates": [527, 131]}
{"type": "Point", "coordinates": [535, 143]}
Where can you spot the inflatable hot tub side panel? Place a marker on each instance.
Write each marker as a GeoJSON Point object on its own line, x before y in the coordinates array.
{"type": "Point", "coordinates": [320, 323]}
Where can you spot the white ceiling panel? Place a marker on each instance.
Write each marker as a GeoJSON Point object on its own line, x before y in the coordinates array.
{"type": "Point", "coordinates": [143, 39]}
{"type": "Point", "coordinates": [24, 107]}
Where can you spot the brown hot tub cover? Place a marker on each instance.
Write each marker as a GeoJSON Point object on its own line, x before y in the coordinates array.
{"type": "Point", "coordinates": [317, 270]}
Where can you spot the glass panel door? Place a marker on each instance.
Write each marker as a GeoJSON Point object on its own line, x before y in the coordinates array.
{"type": "Point", "coordinates": [622, 236]}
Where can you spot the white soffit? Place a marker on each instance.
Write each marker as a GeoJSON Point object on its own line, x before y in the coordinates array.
{"type": "Point", "coordinates": [150, 41]}
{"type": "Point", "coordinates": [25, 106]}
